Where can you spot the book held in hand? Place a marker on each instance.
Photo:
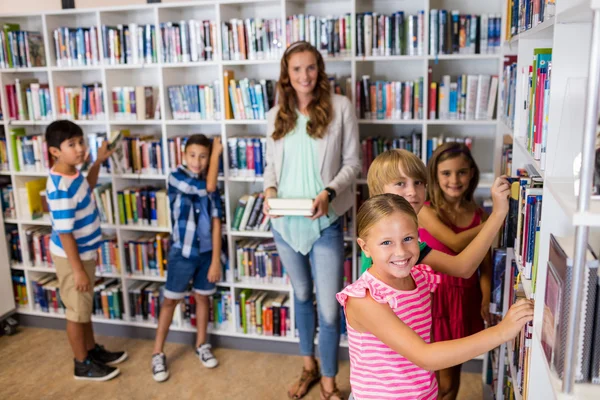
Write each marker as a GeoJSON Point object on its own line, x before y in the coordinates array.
{"type": "Point", "coordinates": [295, 207]}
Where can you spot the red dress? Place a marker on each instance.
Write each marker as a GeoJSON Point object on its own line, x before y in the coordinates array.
{"type": "Point", "coordinates": [456, 303]}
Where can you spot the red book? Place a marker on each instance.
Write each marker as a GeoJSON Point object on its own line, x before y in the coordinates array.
{"type": "Point", "coordinates": [432, 100]}
{"type": "Point", "coordinates": [250, 155]}
{"type": "Point", "coordinates": [539, 115]}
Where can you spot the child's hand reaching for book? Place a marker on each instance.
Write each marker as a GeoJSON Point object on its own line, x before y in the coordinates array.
{"type": "Point", "coordinates": [104, 152]}
{"type": "Point", "coordinates": [214, 272]}
{"type": "Point", "coordinates": [518, 315]}
{"type": "Point", "coordinates": [500, 194]}
{"type": "Point", "coordinates": [217, 146]}
{"type": "Point", "coordinates": [82, 282]}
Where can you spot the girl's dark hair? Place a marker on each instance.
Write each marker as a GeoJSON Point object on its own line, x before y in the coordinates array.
{"type": "Point", "coordinates": [320, 109]}
{"type": "Point", "coordinates": [198, 139]}
{"type": "Point", "coordinates": [445, 152]}
{"type": "Point", "coordinates": [61, 130]}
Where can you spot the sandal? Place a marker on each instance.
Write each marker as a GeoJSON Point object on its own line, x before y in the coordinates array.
{"type": "Point", "coordinates": [308, 379]}
{"type": "Point", "coordinates": [325, 395]}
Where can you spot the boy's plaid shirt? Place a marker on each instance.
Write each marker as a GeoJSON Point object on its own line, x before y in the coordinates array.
{"type": "Point", "coordinates": [192, 211]}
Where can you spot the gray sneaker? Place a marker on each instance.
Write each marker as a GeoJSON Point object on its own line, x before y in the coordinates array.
{"type": "Point", "coordinates": [160, 373]}
{"type": "Point", "coordinates": [206, 356]}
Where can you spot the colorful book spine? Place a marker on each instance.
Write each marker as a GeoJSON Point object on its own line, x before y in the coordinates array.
{"type": "Point", "coordinates": [146, 255]}
{"type": "Point", "coordinates": [76, 47]}
{"type": "Point", "coordinates": [330, 35]}
{"type": "Point", "coordinates": [251, 39]}
{"type": "Point", "coordinates": [81, 103]}
{"type": "Point", "coordinates": [384, 100]}
{"type": "Point", "coordinates": [258, 261]}
{"type": "Point", "coordinates": [523, 15]}
{"type": "Point", "coordinates": [130, 44]}
{"type": "Point", "coordinates": [244, 96]}
{"type": "Point", "coordinates": [453, 33]}
{"type": "Point", "coordinates": [21, 49]}
{"type": "Point", "coordinates": [390, 35]}
{"type": "Point", "coordinates": [108, 299]}
{"type": "Point", "coordinates": [28, 100]}
{"type": "Point", "coordinates": [188, 41]}
{"type": "Point", "coordinates": [373, 146]}
{"type": "Point", "coordinates": [468, 98]}
{"type": "Point", "coordinates": [108, 256]}
{"type": "Point", "coordinates": [196, 102]}
{"type": "Point", "coordinates": [219, 315]}
{"type": "Point", "coordinates": [143, 206]}
{"type": "Point", "coordinates": [130, 103]}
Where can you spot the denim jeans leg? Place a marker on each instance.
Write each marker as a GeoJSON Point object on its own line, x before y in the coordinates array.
{"type": "Point", "coordinates": [327, 261]}
{"type": "Point", "coordinates": [297, 267]}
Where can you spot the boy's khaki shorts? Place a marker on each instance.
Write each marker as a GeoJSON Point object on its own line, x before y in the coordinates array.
{"type": "Point", "coordinates": [79, 305]}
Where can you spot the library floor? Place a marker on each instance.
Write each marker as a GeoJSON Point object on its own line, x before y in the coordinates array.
{"type": "Point", "coordinates": [36, 364]}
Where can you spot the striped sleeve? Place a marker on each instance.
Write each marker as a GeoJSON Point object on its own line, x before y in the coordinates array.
{"type": "Point", "coordinates": [431, 278]}
{"type": "Point", "coordinates": [63, 208]}
{"type": "Point", "coordinates": [359, 289]}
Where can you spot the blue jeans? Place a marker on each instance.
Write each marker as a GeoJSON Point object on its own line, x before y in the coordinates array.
{"type": "Point", "coordinates": [324, 265]}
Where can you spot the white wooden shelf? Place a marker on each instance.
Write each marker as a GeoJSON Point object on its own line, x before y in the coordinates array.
{"type": "Point", "coordinates": [251, 179]}
{"type": "Point", "coordinates": [543, 30]}
{"type": "Point", "coordinates": [513, 371]}
{"type": "Point", "coordinates": [251, 62]}
{"type": "Point", "coordinates": [146, 278]}
{"type": "Point", "coordinates": [134, 122]}
{"type": "Point", "coordinates": [389, 58]}
{"type": "Point", "coordinates": [563, 191]}
{"type": "Point", "coordinates": [460, 122]}
{"type": "Point", "coordinates": [190, 64]}
{"type": "Point", "coordinates": [156, 177]}
{"type": "Point", "coordinates": [245, 122]}
{"type": "Point", "coordinates": [490, 56]}
{"type": "Point", "coordinates": [520, 142]}
{"type": "Point", "coordinates": [175, 122]}
{"type": "Point", "coordinates": [390, 121]}
{"type": "Point", "coordinates": [261, 286]}
{"type": "Point", "coordinates": [144, 228]}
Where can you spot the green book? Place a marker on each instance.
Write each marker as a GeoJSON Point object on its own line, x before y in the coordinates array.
{"type": "Point", "coordinates": [239, 212]}
{"type": "Point", "coordinates": [244, 295]}
{"type": "Point", "coordinates": [11, 56]}
{"type": "Point", "coordinates": [134, 210]}
{"type": "Point", "coordinates": [547, 54]}
{"type": "Point", "coordinates": [121, 201]}
{"type": "Point", "coordinates": [14, 148]}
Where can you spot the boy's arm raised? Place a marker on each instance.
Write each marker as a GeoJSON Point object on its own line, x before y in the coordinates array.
{"type": "Point", "coordinates": [214, 271]}
{"type": "Point", "coordinates": [467, 261]}
{"type": "Point", "coordinates": [366, 315]}
{"type": "Point", "coordinates": [212, 174]}
{"type": "Point", "coordinates": [429, 220]}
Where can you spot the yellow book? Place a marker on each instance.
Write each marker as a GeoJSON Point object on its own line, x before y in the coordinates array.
{"type": "Point", "coordinates": [128, 209]}
{"type": "Point", "coordinates": [140, 257]}
{"type": "Point", "coordinates": [228, 75]}
{"type": "Point", "coordinates": [162, 208]}
{"type": "Point", "coordinates": [159, 255]}
{"type": "Point", "coordinates": [34, 200]}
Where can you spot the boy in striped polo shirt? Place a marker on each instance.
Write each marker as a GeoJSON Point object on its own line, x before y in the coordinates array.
{"type": "Point", "coordinates": [195, 254]}
{"type": "Point", "coordinates": [75, 239]}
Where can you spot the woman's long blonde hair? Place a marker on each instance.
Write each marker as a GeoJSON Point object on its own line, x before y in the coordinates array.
{"type": "Point", "coordinates": [445, 152]}
{"type": "Point", "coordinates": [381, 206]}
{"type": "Point", "coordinates": [320, 110]}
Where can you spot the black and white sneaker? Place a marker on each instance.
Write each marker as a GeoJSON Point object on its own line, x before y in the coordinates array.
{"type": "Point", "coordinates": [206, 356]}
{"type": "Point", "coordinates": [92, 370]}
{"type": "Point", "coordinates": [160, 372]}
{"type": "Point", "coordinates": [100, 354]}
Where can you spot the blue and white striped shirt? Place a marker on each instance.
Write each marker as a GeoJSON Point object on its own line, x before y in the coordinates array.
{"type": "Point", "coordinates": [192, 211]}
{"type": "Point", "coordinates": [73, 210]}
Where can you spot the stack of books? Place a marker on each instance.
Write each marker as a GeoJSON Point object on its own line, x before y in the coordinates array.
{"type": "Point", "coordinates": [263, 313]}
{"type": "Point", "coordinates": [146, 255]}
{"type": "Point", "coordinates": [247, 156]}
{"type": "Point", "coordinates": [145, 301]}
{"type": "Point", "coordinates": [108, 299]}
{"type": "Point", "coordinates": [19, 288]}
{"type": "Point", "coordinates": [382, 100]}
{"type": "Point", "coordinates": [257, 261]}
{"type": "Point", "coordinates": [436, 141]}
{"type": "Point", "coordinates": [219, 313]}
{"type": "Point", "coordinates": [131, 103]}
{"type": "Point", "coordinates": [374, 146]}
{"type": "Point", "coordinates": [143, 206]}
{"type": "Point", "coordinates": [248, 98]}
{"type": "Point", "coordinates": [29, 153]}
{"type": "Point", "coordinates": [109, 260]}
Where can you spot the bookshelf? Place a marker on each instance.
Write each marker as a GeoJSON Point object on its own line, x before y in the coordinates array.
{"type": "Point", "coordinates": [569, 34]}
{"type": "Point", "coordinates": [485, 134]}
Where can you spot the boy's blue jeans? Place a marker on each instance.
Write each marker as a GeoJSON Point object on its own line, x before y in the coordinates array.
{"type": "Point", "coordinates": [324, 265]}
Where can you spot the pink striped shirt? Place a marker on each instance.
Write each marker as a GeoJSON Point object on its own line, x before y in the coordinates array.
{"type": "Point", "coordinates": [377, 371]}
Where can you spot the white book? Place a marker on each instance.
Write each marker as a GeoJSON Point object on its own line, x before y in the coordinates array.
{"type": "Point", "coordinates": [433, 32]}
{"type": "Point", "coordinates": [444, 100]}
{"type": "Point", "coordinates": [185, 43]}
{"type": "Point", "coordinates": [491, 106]}
{"type": "Point", "coordinates": [247, 212]}
{"type": "Point", "coordinates": [367, 26]}
{"type": "Point", "coordinates": [483, 31]}
{"type": "Point", "coordinates": [133, 28]}
{"type": "Point", "coordinates": [290, 204]}
{"type": "Point", "coordinates": [483, 93]}
{"type": "Point", "coordinates": [471, 97]}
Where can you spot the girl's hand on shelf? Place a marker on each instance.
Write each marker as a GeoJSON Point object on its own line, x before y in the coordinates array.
{"type": "Point", "coordinates": [500, 195]}
{"type": "Point", "coordinates": [517, 316]}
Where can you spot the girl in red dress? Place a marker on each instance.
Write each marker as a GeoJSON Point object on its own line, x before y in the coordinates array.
{"type": "Point", "coordinates": [448, 222]}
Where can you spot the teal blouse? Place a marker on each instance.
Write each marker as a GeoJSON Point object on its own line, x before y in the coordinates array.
{"type": "Point", "coordinates": [301, 179]}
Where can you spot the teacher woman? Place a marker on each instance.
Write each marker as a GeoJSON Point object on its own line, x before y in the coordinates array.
{"type": "Point", "coordinates": [312, 152]}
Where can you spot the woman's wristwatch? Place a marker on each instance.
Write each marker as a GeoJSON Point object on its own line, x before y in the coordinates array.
{"type": "Point", "coordinates": [330, 194]}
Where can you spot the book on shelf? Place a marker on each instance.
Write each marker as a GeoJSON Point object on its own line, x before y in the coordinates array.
{"type": "Point", "coordinates": [197, 102]}
{"type": "Point", "coordinates": [521, 350]}
{"type": "Point", "coordinates": [14, 244]}
{"type": "Point", "coordinates": [249, 98]}
{"type": "Point", "coordinates": [247, 156]}
{"type": "Point", "coordinates": [28, 99]}
{"type": "Point", "coordinates": [469, 98]}
{"type": "Point", "coordinates": [290, 207]}
{"type": "Point", "coordinates": [76, 47]}
{"type": "Point", "coordinates": [19, 288]}
{"type": "Point", "coordinates": [251, 39]}
{"type": "Point", "coordinates": [46, 294]}
{"type": "Point", "coordinates": [188, 41]}
{"type": "Point", "coordinates": [30, 196]}
{"type": "Point", "coordinates": [384, 100]}
{"type": "Point", "coordinates": [375, 145]}
{"type": "Point", "coordinates": [143, 206]}
{"type": "Point", "coordinates": [506, 158]}
{"type": "Point", "coordinates": [249, 210]}
{"type": "Point", "coordinates": [219, 309]}
{"type": "Point", "coordinates": [145, 299]}
{"type": "Point", "coordinates": [7, 199]}
{"type": "Point", "coordinates": [85, 102]}
{"type": "Point", "coordinates": [108, 299]}
{"type": "Point", "coordinates": [522, 15]}
{"type": "Point", "coordinates": [109, 260]}
{"type": "Point", "coordinates": [138, 154]}
{"type": "Point", "coordinates": [557, 309]}
{"type": "Point", "coordinates": [131, 103]}
{"type": "Point", "coordinates": [508, 91]}
{"type": "Point", "coordinates": [146, 255]}
{"type": "Point", "coordinates": [390, 35]}
{"type": "Point", "coordinates": [436, 141]}
{"type": "Point", "coordinates": [257, 261]}
{"type": "Point", "coordinates": [29, 152]}
{"type": "Point", "coordinates": [21, 49]}
{"type": "Point", "coordinates": [37, 239]}
{"type": "Point", "coordinates": [102, 194]}
{"type": "Point", "coordinates": [129, 44]}
{"type": "Point", "coordinates": [94, 142]}
{"type": "Point", "coordinates": [263, 313]}
{"type": "Point", "coordinates": [451, 32]}
{"type": "Point", "coordinates": [330, 35]}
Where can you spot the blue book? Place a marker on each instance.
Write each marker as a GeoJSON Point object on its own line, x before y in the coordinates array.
{"type": "Point", "coordinates": [260, 100]}
{"type": "Point", "coordinates": [232, 99]}
{"type": "Point", "coordinates": [202, 105]}
{"type": "Point", "coordinates": [258, 169]}
{"type": "Point", "coordinates": [253, 101]}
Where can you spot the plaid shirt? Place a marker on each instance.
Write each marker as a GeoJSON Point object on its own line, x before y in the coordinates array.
{"type": "Point", "coordinates": [192, 211]}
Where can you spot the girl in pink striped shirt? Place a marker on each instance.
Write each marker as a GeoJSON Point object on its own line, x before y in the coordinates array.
{"type": "Point", "coordinates": [388, 311]}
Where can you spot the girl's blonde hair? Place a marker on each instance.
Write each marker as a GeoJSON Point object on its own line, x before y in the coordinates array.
{"type": "Point", "coordinates": [386, 167]}
{"type": "Point", "coordinates": [448, 151]}
{"type": "Point", "coordinates": [320, 109]}
{"type": "Point", "coordinates": [381, 206]}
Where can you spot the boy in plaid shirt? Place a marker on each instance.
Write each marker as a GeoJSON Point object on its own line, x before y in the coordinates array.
{"type": "Point", "coordinates": [196, 250]}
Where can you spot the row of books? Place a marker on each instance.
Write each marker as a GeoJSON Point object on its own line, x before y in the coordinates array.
{"type": "Point", "coordinates": [46, 294]}
{"type": "Point", "coordinates": [508, 91]}
{"type": "Point", "coordinates": [81, 103]}
{"type": "Point", "coordinates": [536, 106]}
{"type": "Point", "coordinates": [219, 312]}
{"type": "Point", "coordinates": [188, 41]}
{"type": "Point", "coordinates": [147, 254]}
{"type": "Point", "coordinates": [506, 159]}
{"type": "Point", "coordinates": [102, 194]}
{"type": "Point", "coordinates": [94, 142]}
{"type": "Point", "coordinates": [76, 47]}
{"type": "Point", "coordinates": [27, 99]}
{"type": "Point", "coordinates": [330, 35]}
{"type": "Point", "coordinates": [521, 345]}
{"type": "Point", "coordinates": [249, 98]}
{"type": "Point", "coordinates": [19, 288]}
{"type": "Point", "coordinates": [373, 146]}
{"type": "Point", "coordinates": [21, 49]}
{"type": "Point", "coordinates": [129, 44]}
{"type": "Point", "coordinates": [197, 102]}
{"type": "Point", "coordinates": [32, 199]}
{"type": "Point", "coordinates": [29, 153]}
{"type": "Point", "coordinates": [263, 313]}
{"type": "Point", "coordinates": [109, 259]}
{"type": "Point", "coordinates": [522, 15]}
{"type": "Point", "coordinates": [141, 155]}
{"type": "Point", "coordinates": [143, 206]}
{"type": "Point", "coordinates": [13, 242]}
{"type": "Point", "coordinates": [471, 97]}
{"type": "Point", "coordinates": [248, 214]}
{"type": "Point", "coordinates": [258, 261]}
{"type": "Point", "coordinates": [389, 100]}
{"type": "Point", "coordinates": [247, 156]}
{"type": "Point", "coordinates": [145, 299]}
{"type": "Point", "coordinates": [436, 141]}
{"type": "Point", "coordinates": [251, 39]}
{"type": "Point", "coordinates": [108, 299]}
{"type": "Point", "coordinates": [3, 152]}
{"type": "Point", "coordinates": [131, 103]}
{"type": "Point", "coordinates": [7, 199]}
{"type": "Point", "coordinates": [453, 33]}
{"type": "Point", "coordinates": [387, 35]}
